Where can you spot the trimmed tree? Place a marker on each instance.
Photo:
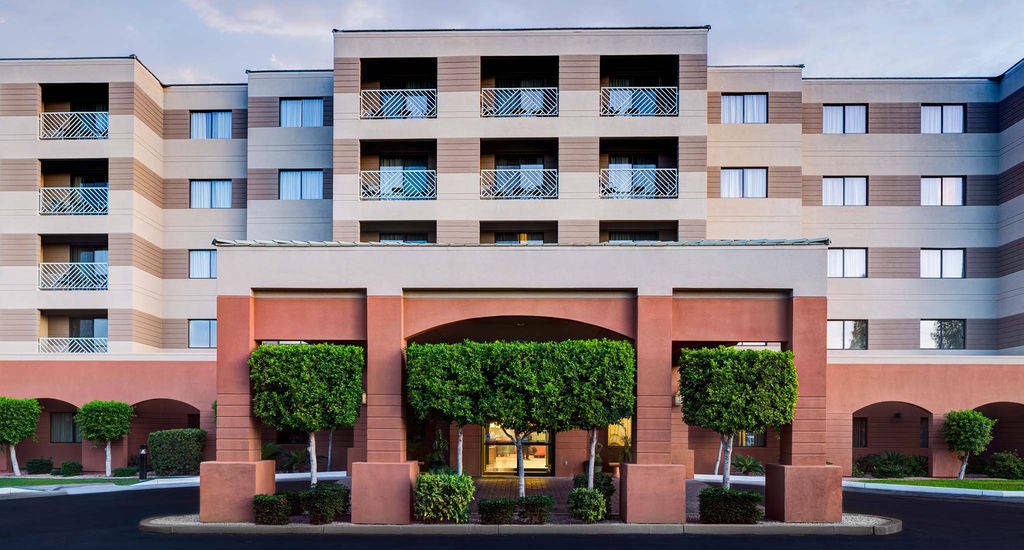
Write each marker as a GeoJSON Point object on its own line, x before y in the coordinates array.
{"type": "Point", "coordinates": [445, 382]}
{"type": "Point", "coordinates": [308, 388]}
{"type": "Point", "coordinates": [18, 419]}
{"type": "Point", "coordinates": [103, 422]}
{"type": "Point", "coordinates": [967, 432]}
{"type": "Point", "coordinates": [728, 390]}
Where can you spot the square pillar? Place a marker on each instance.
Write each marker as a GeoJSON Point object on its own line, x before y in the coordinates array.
{"type": "Point", "coordinates": [803, 494]}
{"type": "Point", "coordinates": [653, 493]}
{"type": "Point", "coordinates": [382, 492]}
{"type": "Point", "coordinates": [226, 489]}
{"type": "Point", "coordinates": [654, 384]}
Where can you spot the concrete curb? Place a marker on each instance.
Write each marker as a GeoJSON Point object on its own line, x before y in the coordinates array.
{"type": "Point", "coordinates": [899, 488]}
{"type": "Point", "coordinates": [31, 494]}
{"type": "Point", "coordinates": [888, 527]}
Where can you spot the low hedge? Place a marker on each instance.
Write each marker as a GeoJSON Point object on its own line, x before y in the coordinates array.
{"type": "Point", "coordinates": [127, 471]}
{"type": "Point", "coordinates": [176, 452]}
{"type": "Point", "coordinates": [719, 505]}
{"type": "Point", "coordinates": [1006, 465]}
{"type": "Point", "coordinates": [602, 482]}
{"type": "Point", "coordinates": [39, 465]}
{"type": "Point", "coordinates": [294, 502]}
{"type": "Point", "coordinates": [324, 502]}
{"type": "Point", "coordinates": [270, 509]}
{"type": "Point", "coordinates": [892, 464]}
{"type": "Point", "coordinates": [496, 511]}
{"type": "Point", "coordinates": [71, 468]}
{"type": "Point", "coordinates": [587, 504]}
{"type": "Point", "coordinates": [442, 498]}
{"type": "Point", "coordinates": [535, 509]}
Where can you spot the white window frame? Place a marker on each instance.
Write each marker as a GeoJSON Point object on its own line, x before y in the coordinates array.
{"type": "Point", "coordinates": [744, 97]}
{"type": "Point", "coordinates": [210, 127]}
{"type": "Point", "coordinates": [943, 182]}
{"type": "Point", "coordinates": [195, 256]}
{"type": "Point", "coordinates": [304, 192]}
{"type": "Point", "coordinates": [206, 196]}
{"type": "Point", "coordinates": [211, 333]}
{"type": "Point", "coordinates": [935, 345]}
{"type": "Point", "coordinates": [943, 252]}
{"type": "Point", "coordinates": [315, 103]}
{"type": "Point", "coordinates": [847, 180]}
{"type": "Point", "coordinates": [844, 326]}
{"type": "Point", "coordinates": [843, 253]}
{"type": "Point", "coordinates": [744, 189]}
{"type": "Point", "coordinates": [845, 109]}
{"type": "Point", "coordinates": [942, 117]}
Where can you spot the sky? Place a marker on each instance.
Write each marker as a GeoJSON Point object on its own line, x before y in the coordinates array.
{"type": "Point", "coordinates": [190, 41]}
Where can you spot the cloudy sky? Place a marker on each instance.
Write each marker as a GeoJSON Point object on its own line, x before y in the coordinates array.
{"type": "Point", "coordinates": [216, 40]}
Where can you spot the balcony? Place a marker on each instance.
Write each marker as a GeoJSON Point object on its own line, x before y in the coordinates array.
{"type": "Point", "coordinates": [74, 125]}
{"type": "Point", "coordinates": [73, 275]}
{"type": "Point", "coordinates": [640, 101]}
{"type": "Point", "coordinates": [639, 183]}
{"type": "Point", "coordinates": [519, 184]}
{"type": "Point", "coordinates": [398, 88]}
{"type": "Point", "coordinates": [518, 102]}
{"type": "Point", "coordinates": [73, 345]}
{"type": "Point", "coordinates": [397, 185]}
{"type": "Point", "coordinates": [73, 201]}
{"type": "Point", "coordinates": [413, 103]}
{"type": "Point", "coordinates": [639, 85]}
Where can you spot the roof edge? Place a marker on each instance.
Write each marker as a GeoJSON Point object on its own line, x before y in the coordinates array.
{"type": "Point", "coordinates": [262, 243]}
{"type": "Point", "coordinates": [641, 28]}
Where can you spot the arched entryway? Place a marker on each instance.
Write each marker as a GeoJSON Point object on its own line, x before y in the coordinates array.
{"type": "Point", "coordinates": [891, 426]}
{"type": "Point", "coordinates": [1008, 434]}
{"type": "Point", "coordinates": [57, 435]}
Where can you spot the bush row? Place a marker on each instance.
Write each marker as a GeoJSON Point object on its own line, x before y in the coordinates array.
{"type": "Point", "coordinates": [719, 505]}
{"type": "Point", "coordinates": [324, 502]}
{"type": "Point", "coordinates": [892, 464]}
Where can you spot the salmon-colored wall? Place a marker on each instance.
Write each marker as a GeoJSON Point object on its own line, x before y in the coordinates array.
{"type": "Point", "coordinates": [310, 319]}
{"type": "Point", "coordinates": [731, 319]}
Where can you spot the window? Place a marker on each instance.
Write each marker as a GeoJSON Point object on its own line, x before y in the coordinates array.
{"type": "Point", "coordinates": [202, 264]}
{"type": "Point", "coordinates": [632, 236]}
{"type": "Point", "coordinates": [924, 432]}
{"type": "Point", "coordinates": [847, 335]}
{"type": "Point", "coordinates": [942, 264]}
{"type": "Point", "coordinates": [844, 191]}
{"type": "Point", "coordinates": [87, 327]}
{"type": "Point", "coordinates": [945, 191]}
{"type": "Point", "coordinates": [844, 119]}
{"type": "Point", "coordinates": [620, 434]}
{"type": "Point", "coordinates": [942, 119]}
{"type": "Point", "coordinates": [307, 112]}
{"type": "Point", "coordinates": [751, 183]}
{"type": "Point", "coordinates": [202, 333]}
{"type": "Point", "coordinates": [296, 185]}
{"type": "Point", "coordinates": [744, 108]}
{"type": "Point", "coordinates": [403, 237]}
{"type": "Point", "coordinates": [751, 439]}
{"type": "Point", "coordinates": [64, 429]}
{"type": "Point", "coordinates": [211, 125]}
{"type": "Point", "coordinates": [847, 262]}
{"type": "Point", "coordinates": [192, 421]}
{"type": "Point", "coordinates": [210, 194]}
{"type": "Point", "coordinates": [860, 432]}
{"type": "Point", "coordinates": [512, 237]}
{"type": "Point", "coordinates": [942, 334]}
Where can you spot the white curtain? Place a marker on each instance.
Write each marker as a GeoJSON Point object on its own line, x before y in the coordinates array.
{"type": "Point", "coordinates": [952, 264]}
{"type": "Point", "coordinates": [952, 191]}
{"type": "Point", "coordinates": [855, 191]}
{"type": "Point", "coordinates": [620, 175]}
{"type": "Point", "coordinates": [732, 183]}
{"type": "Point", "coordinates": [931, 191]}
{"type": "Point", "coordinates": [290, 185]}
{"type": "Point", "coordinates": [200, 195]}
{"type": "Point", "coordinates": [854, 262]}
{"type": "Point", "coordinates": [732, 109]}
{"type": "Point", "coordinates": [755, 183]}
{"type": "Point", "coordinates": [952, 119]}
{"type": "Point", "coordinates": [221, 125]}
{"type": "Point", "coordinates": [931, 263]}
{"type": "Point", "coordinates": [834, 335]}
{"type": "Point", "coordinates": [931, 119]}
{"type": "Point", "coordinates": [755, 108]}
{"type": "Point", "coordinates": [312, 184]}
{"type": "Point", "coordinates": [63, 428]}
{"type": "Point", "coordinates": [313, 112]}
{"type": "Point", "coordinates": [202, 264]}
{"type": "Point", "coordinates": [856, 119]}
{"type": "Point", "coordinates": [202, 333]}
{"type": "Point", "coordinates": [291, 113]}
{"type": "Point", "coordinates": [832, 192]}
{"type": "Point", "coordinates": [832, 119]}
{"type": "Point", "coordinates": [927, 329]}
{"type": "Point", "coordinates": [835, 262]}
{"type": "Point", "coordinates": [200, 125]}
{"type": "Point", "coordinates": [221, 194]}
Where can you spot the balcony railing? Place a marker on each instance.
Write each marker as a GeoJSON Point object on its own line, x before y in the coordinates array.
{"type": "Point", "coordinates": [74, 201]}
{"type": "Point", "coordinates": [398, 185]}
{"type": "Point", "coordinates": [73, 276]}
{"type": "Point", "coordinates": [519, 184]}
{"type": "Point", "coordinates": [518, 102]}
{"type": "Point", "coordinates": [78, 125]}
{"type": "Point", "coordinates": [421, 103]}
{"type": "Point", "coordinates": [72, 345]}
{"type": "Point", "coordinates": [650, 101]}
{"type": "Point", "coordinates": [639, 183]}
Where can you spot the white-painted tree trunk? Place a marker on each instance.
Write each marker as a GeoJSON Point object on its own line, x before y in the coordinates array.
{"type": "Point", "coordinates": [459, 459]}
{"type": "Point", "coordinates": [727, 466]}
{"type": "Point", "coordinates": [14, 461]}
{"type": "Point", "coordinates": [963, 466]}
{"type": "Point", "coordinates": [330, 447]}
{"type": "Point", "coordinates": [107, 463]}
{"type": "Point", "coordinates": [718, 461]}
{"type": "Point", "coordinates": [590, 466]}
{"type": "Point", "coordinates": [312, 459]}
{"type": "Point", "coordinates": [520, 466]}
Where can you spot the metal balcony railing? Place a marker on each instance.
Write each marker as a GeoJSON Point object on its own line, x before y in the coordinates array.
{"type": "Point", "coordinates": [75, 125]}
{"type": "Point", "coordinates": [398, 185]}
{"type": "Point", "coordinates": [421, 103]}
{"type": "Point", "coordinates": [74, 201]}
{"type": "Point", "coordinates": [631, 101]}
{"type": "Point", "coordinates": [639, 183]}
{"type": "Point", "coordinates": [72, 345]}
{"type": "Point", "coordinates": [518, 102]}
{"type": "Point", "coordinates": [73, 276]}
{"type": "Point", "coordinates": [519, 184]}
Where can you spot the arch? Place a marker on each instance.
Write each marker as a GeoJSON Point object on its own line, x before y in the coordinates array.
{"type": "Point", "coordinates": [1008, 434]}
{"type": "Point", "coordinates": [514, 327]}
{"type": "Point", "coordinates": [891, 426]}
{"type": "Point", "coordinates": [44, 445]}
{"type": "Point", "coordinates": [157, 414]}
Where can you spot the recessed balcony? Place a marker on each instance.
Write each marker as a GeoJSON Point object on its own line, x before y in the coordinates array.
{"type": "Point", "coordinates": [73, 331]}
{"type": "Point", "coordinates": [398, 88]}
{"type": "Point", "coordinates": [518, 169]}
{"type": "Point", "coordinates": [73, 345]}
{"type": "Point", "coordinates": [74, 262]}
{"type": "Point", "coordinates": [639, 86]}
{"type": "Point", "coordinates": [518, 87]}
{"type": "Point", "coordinates": [74, 187]}
{"type": "Point", "coordinates": [398, 170]}
{"type": "Point", "coordinates": [639, 169]}
{"type": "Point", "coordinates": [74, 112]}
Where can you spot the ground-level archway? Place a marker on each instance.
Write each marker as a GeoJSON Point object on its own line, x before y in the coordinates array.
{"type": "Point", "coordinates": [57, 436]}
{"type": "Point", "coordinates": [891, 426]}
{"type": "Point", "coordinates": [1008, 434]}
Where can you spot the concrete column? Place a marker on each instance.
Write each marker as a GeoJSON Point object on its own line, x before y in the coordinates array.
{"type": "Point", "coordinates": [654, 385]}
{"type": "Point", "coordinates": [941, 462]}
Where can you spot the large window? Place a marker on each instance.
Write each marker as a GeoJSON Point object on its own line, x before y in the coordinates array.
{"type": "Point", "coordinates": [513, 237]}
{"type": "Point", "coordinates": [847, 262]}
{"type": "Point", "coordinates": [744, 108]}
{"type": "Point", "coordinates": [943, 333]}
{"type": "Point", "coordinates": [211, 125]}
{"type": "Point", "coordinates": [844, 119]}
{"type": "Point", "coordinates": [87, 327]}
{"type": "Point", "coordinates": [63, 428]}
{"type": "Point", "coordinates": [942, 119]}
{"type": "Point", "coordinates": [202, 333]}
{"type": "Point", "coordinates": [210, 194]}
{"type": "Point", "coordinates": [860, 432]}
{"type": "Point", "coordinates": [305, 112]}
{"type": "Point", "coordinates": [945, 191]}
{"type": "Point", "coordinates": [417, 238]}
{"type": "Point", "coordinates": [852, 191]}
{"type": "Point", "coordinates": [202, 264]}
{"type": "Point", "coordinates": [847, 335]}
{"type": "Point", "coordinates": [942, 263]}
{"type": "Point", "coordinates": [296, 185]}
{"type": "Point", "coordinates": [751, 439]}
{"type": "Point", "coordinates": [751, 183]}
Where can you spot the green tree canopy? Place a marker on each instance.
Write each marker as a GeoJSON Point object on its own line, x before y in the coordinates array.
{"type": "Point", "coordinates": [103, 422]}
{"type": "Point", "coordinates": [18, 419]}
{"type": "Point", "coordinates": [967, 432]}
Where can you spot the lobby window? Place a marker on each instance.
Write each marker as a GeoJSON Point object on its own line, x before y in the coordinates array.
{"type": "Point", "coordinates": [63, 428]}
{"type": "Point", "coordinates": [202, 264]}
{"type": "Point", "coordinates": [621, 433]}
{"type": "Point", "coordinates": [751, 183]}
{"type": "Point", "coordinates": [844, 119]}
{"type": "Point", "coordinates": [945, 191]}
{"type": "Point", "coordinates": [415, 238]}
{"type": "Point", "coordinates": [751, 439]}
{"type": "Point", "coordinates": [942, 119]}
{"type": "Point", "coordinates": [211, 124]}
{"type": "Point", "coordinates": [847, 262]}
{"type": "Point", "coordinates": [942, 263]}
{"type": "Point", "coordinates": [744, 108]}
{"type": "Point", "coordinates": [632, 236]}
{"type": "Point", "coordinates": [847, 334]}
{"type": "Point", "coordinates": [305, 112]}
{"type": "Point", "coordinates": [924, 432]}
{"type": "Point", "coordinates": [304, 185]}
{"type": "Point", "coordinates": [851, 191]}
{"type": "Point", "coordinates": [202, 333]}
{"type": "Point", "coordinates": [210, 194]}
{"type": "Point", "coordinates": [860, 432]}
{"type": "Point", "coordinates": [942, 333]}
{"type": "Point", "coordinates": [512, 237]}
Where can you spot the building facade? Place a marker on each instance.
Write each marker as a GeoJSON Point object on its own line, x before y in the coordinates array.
{"type": "Point", "coordinates": [541, 184]}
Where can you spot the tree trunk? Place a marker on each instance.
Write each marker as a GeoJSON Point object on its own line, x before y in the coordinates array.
{"type": "Point", "coordinates": [14, 460]}
{"type": "Point", "coordinates": [963, 466]}
{"type": "Point", "coordinates": [520, 466]}
{"type": "Point", "coordinates": [312, 459]}
{"type": "Point", "coordinates": [460, 451]}
{"type": "Point", "coordinates": [330, 447]}
{"type": "Point", "coordinates": [718, 461]}
{"type": "Point", "coordinates": [590, 466]}
{"type": "Point", "coordinates": [107, 464]}
{"type": "Point", "coordinates": [727, 444]}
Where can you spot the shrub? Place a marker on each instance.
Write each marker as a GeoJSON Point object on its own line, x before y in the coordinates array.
{"type": "Point", "coordinates": [294, 502]}
{"type": "Point", "coordinates": [103, 422]}
{"type": "Point", "coordinates": [891, 464]}
{"type": "Point", "coordinates": [1007, 465]}
{"type": "Point", "coordinates": [176, 452]}
{"type": "Point", "coordinates": [442, 498]}
{"type": "Point", "coordinates": [587, 504]}
{"type": "Point", "coordinates": [55, 472]}
{"type": "Point", "coordinates": [967, 432]}
{"type": "Point", "coordinates": [127, 471]}
{"type": "Point", "coordinates": [270, 509]}
{"type": "Point", "coordinates": [857, 472]}
{"type": "Point", "coordinates": [719, 505]}
{"type": "Point", "coordinates": [39, 465]}
{"type": "Point", "coordinates": [325, 501]}
{"type": "Point", "coordinates": [747, 465]}
{"type": "Point", "coordinates": [497, 511]}
{"type": "Point", "coordinates": [535, 509]}
{"type": "Point", "coordinates": [18, 418]}
{"type": "Point", "coordinates": [602, 482]}
{"type": "Point", "coordinates": [70, 468]}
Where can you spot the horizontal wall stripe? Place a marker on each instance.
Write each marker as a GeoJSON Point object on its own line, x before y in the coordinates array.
{"type": "Point", "coordinates": [20, 99]}
{"type": "Point", "coordinates": [19, 325]}
{"type": "Point", "coordinates": [692, 230]}
{"type": "Point", "coordinates": [1011, 109]}
{"type": "Point", "coordinates": [982, 118]}
{"type": "Point", "coordinates": [579, 154]}
{"type": "Point", "coordinates": [894, 263]}
{"type": "Point", "coordinates": [346, 75]}
{"type": "Point", "coordinates": [894, 118]}
{"type": "Point", "coordinates": [264, 112]}
{"type": "Point", "coordinates": [458, 74]}
{"type": "Point", "coordinates": [458, 155]}
{"type": "Point", "coordinates": [579, 231]}
{"type": "Point", "coordinates": [579, 72]}
{"type": "Point", "coordinates": [19, 249]}
{"type": "Point", "coordinates": [458, 231]}
{"type": "Point", "coordinates": [1011, 183]}
{"type": "Point", "coordinates": [693, 153]}
{"type": "Point", "coordinates": [784, 182]}
{"type": "Point", "coordinates": [20, 175]}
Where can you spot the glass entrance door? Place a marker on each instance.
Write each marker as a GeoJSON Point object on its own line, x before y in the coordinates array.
{"type": "Point", "coordinates": [500, 453]}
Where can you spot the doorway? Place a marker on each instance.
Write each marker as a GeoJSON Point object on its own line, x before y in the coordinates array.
{"type": "Point", "coordinates": [500, 454]}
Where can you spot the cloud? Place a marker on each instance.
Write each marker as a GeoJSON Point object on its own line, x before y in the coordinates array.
{"type": "Point", "coordinates": [298, 20]}
{"type": "Point", "coordinates": [2, 20]}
